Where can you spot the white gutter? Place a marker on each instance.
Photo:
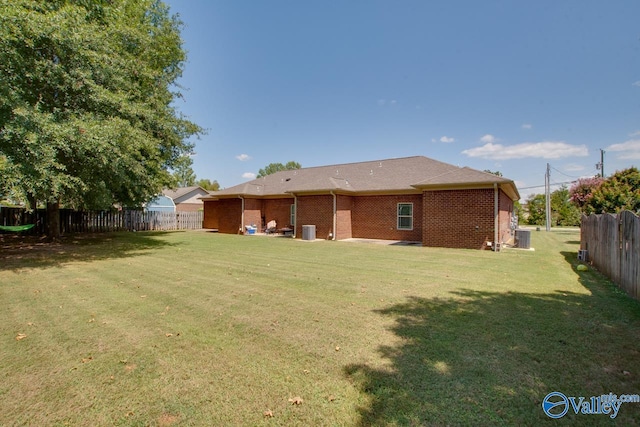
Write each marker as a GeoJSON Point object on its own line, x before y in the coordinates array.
{"type": "Point", "coordinates": [495, 218]}
{"type": "Point", "coordinates": [295, 212]}
{"type": "Point", "coordinates": [335, 215]}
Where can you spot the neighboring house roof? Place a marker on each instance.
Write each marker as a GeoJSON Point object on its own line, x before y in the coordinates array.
{"type": "Point", "coordinates": [403, 175]}
{"type": "Point", "coordinates": [182, 194]}
{"type": "Point", "coordinates": [161, 203]}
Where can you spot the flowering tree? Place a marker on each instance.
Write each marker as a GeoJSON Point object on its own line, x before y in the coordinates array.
{"type": "Point", "coordinates": [581, 193]}
{"type": "Point", "coordinates": [621, 191]}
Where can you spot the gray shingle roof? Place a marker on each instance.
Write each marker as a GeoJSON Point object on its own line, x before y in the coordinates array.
{"type": "Point", "coordinates": [409, 174]}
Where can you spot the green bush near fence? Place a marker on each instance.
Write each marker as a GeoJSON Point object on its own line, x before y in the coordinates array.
{"type": "Point", "coordinates": [196, 328]}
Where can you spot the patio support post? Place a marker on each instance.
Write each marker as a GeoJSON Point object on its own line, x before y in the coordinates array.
{"type": "Point", "coordinates": [242, 215]}
{"type": "Point", "coordinates": [335, 215]}
{"type": "Point", "coordinates": [496, 211]}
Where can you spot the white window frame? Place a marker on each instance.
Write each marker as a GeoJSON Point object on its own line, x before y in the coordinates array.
{"type": "Point", "coordinates": [399, 227]}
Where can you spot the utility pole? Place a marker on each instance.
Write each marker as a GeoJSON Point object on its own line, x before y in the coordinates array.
{"type": "Point", "coordinates": [600, 166]}
{"type": "Point", "coordinates": [547, 196]}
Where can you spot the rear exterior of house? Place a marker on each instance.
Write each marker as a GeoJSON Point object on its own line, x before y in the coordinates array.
{"type": "Point", "coordinates": [410, 199]}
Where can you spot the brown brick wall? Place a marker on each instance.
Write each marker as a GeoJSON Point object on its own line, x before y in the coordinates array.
{"type": "Point", "coordinates": [278, 210]}
{"type": "Point", "coordinates": [253, 213]}
{"type": "Point", "coordinates": [189, 207]}
{"type": "Point", "coordinates": [223, 214]}
{"type": "Point", "coordinates": [505, 205]}
{"type": "Point", "coordinates": [458, 218]}
{"type": "Point", "coordinates": [344, 209]}
{"type": "Point", "coordinates": [315, 210]}
{"type": "Point", "coordinates": [376, 217]}
{"type": "Point", "coordinates": [447, 218]}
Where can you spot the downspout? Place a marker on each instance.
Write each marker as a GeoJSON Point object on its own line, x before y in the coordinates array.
{"type": "Point", "coordinates": [295, 215]}
{"type": "Point", "coordinates": [495, 216]}
{"type": "Point", "coordinates": [242, 215]}
{"type": "Point", "coordinates": [335, 215]}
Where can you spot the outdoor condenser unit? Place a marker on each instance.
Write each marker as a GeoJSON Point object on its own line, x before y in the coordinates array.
{"type": "Point", "coordinates": [523, 239]}
{"type": "Point", "coordinates": [308, 232]}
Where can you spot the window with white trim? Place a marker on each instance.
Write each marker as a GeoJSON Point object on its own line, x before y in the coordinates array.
{"type": "Point", "coordinates": [405, 216]}
{"type": "Point", "coordinates": [292, 215]}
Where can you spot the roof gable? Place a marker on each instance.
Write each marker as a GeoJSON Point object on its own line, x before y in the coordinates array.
{"type": "Point", "coordinates": [183, 193]}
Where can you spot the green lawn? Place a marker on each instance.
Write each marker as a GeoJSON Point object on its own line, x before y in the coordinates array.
{"type": "Point", "coordinates": [195, 328]}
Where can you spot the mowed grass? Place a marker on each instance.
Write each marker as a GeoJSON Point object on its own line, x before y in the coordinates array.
{"type": "Point", "coordinates": [195, 328]}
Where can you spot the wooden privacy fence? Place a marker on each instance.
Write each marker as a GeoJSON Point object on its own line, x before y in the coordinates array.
{"type": "Point", "coordinates": [103, 221]}
{"type": "Point", "coordinates": [612, 243]}
{"type": "Point", "coordinates": [165, 221]}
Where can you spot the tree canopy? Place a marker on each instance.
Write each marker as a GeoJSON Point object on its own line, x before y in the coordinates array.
{"type": "Point", "coordinates": [563, 212]}
{"type": "Point", "coordinates": [208, 185]}
{"type": "Point", "coordinates": [86, 100]}
{"type": "Point", "coordinates": [183, 173]}
{"type": "Point", "coordinates": [277, 167]}
{"type": "Point", "coordinates": [581, 192]}
{"type": "Point", "coordinates": [613, 194]}
{"type": "Point", "coordinates": [620, 191]}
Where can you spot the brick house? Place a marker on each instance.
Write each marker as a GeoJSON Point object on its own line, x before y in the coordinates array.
{"type": "Point", "coordinates": [410, 199]}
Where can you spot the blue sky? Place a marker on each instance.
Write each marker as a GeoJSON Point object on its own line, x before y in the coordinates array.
{"type": "Point", "coordinates": [494, 84]}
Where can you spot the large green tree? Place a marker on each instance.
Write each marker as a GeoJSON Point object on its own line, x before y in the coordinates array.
{"type": "Point", "coordinates": [563, 212]}
{"type": "Point", "coordinates": [183, 173]}
{"type": "Point", "coordinates": [620, 191]}
{"type": "Point", "coordinates": [535, 209]}
{"type": "Point", "coordinates": [581, 193]}
{"type": "Point", "coordinates": [208, 185]}
{"type": "Point", "coordinates": [86, 100]}
{"type": "Point", "coordinates": [277, 167]}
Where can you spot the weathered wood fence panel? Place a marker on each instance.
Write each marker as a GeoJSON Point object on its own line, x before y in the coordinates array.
{"type": "Point", "coordinates": [613, 246]}
{"type": "Point", "coordinates": [103, 221]}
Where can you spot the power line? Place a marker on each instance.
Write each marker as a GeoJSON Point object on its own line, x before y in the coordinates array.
{"type": "Point", "coordinates": [554, 183]}
{"type": "Point", "coordinates": [562, 173]}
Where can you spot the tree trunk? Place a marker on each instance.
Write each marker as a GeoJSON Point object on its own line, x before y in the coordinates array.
{"type": "Point", "coordinates": [53, 220]}
{"type": "Point", "coordinates": [33, 204]}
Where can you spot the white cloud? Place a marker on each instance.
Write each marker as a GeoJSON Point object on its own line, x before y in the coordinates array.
{"type": "Point", "coordinates": [488, 138]}
{"type": "Point", "coordinates": [628, 149]}
{"type": "Point", "coordinates": [636, 83]}
{"type": "Point", "coordinates": [527, 126]}
{"type": "Point", "coordinates": [636, 133]}
{"type": "Point", "coordinates": [243, 157]}
{"type": "Point", "coordinates": [249, 175]}
{"type": "Point", "coordinates": [447, 139]}
{"type": "Point", "coordinates": [387, 102]}
{"type": "Point", "coordinates": [544, 150]}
